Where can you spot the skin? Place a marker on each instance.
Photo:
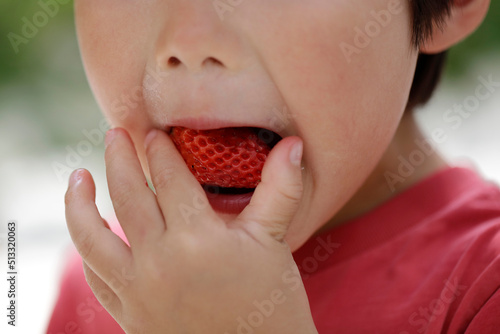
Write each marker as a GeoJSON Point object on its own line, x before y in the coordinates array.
{"type": "Point", "coordinates": [349, 117]}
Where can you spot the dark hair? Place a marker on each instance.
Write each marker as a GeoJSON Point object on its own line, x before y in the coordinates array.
{"type": "Point", "coordinates": [427, 14]}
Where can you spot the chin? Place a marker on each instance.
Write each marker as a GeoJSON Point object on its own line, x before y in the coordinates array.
{"type": "Point", "coordinates": [228, 218]}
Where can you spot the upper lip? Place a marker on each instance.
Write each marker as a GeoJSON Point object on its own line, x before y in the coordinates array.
{"type": "Point", "coordinates": [208, 101]}
{"type": "Point", "coordinates": [211, 123]}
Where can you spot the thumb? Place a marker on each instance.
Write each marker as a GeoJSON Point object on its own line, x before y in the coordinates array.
{"type": "Point", "coordinates": [278, 195]}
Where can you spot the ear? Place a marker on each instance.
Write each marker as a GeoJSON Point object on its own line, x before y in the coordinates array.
{"type": "Point", "coordinates": [465, 17]}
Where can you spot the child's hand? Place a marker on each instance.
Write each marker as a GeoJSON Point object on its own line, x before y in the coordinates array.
{"type": "Point", "coordinates": [186, 270]}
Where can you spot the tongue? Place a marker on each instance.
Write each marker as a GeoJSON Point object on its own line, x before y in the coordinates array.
{"type": "Point", "coordinates": [228, 157]}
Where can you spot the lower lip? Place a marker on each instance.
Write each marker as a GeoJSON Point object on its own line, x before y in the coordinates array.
{"type": "Point", "coordinates": [229, 203]}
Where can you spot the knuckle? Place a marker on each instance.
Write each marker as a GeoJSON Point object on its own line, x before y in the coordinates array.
{"type": "Point", "coordinates": [85, 244]}
{"type": "Point", "coordinates": [163, 178]}
{"type": "Point", "coordinates": [121, 195]}
{"type": "Point", "coordinates": [276, 232]}
{"type": "Point", "coordinates": [286, 203]}
{"type": "Point", "coordinates": [70, 197]}
{"type": "Point", "coordinates": [189, 241]}
{"type": "Point", "coordinates": [291, 194]}
{"type": "Point", "coordinates": [90, 278]}
{"type": "Point", "coordinates": [155, 269]}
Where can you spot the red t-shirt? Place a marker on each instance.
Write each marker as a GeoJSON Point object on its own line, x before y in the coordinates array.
{"type": "Point", "coordinates": [426, 261]}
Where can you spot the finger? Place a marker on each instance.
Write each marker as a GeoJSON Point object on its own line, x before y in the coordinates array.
{"type": "Point", "coordinates": [180, 196]}
{"type": "Point", "coordinates": [278, 195]}
{"type": "Point", "coordinates": [98, 246]}
{"type": "Point", "coordinates": [134, 202]}
{"type": "Point", "coordinates": [104, 294]}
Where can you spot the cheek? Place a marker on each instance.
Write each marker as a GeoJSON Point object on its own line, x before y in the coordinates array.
{"type": "Point", "coordinates": [347, 112]}
{"type": "Point", "coordinates": [322, 88]}
{"type": "Point", "coordinates": [110, 41]}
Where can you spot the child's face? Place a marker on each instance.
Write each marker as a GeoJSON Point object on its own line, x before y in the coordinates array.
{"type": "Point", "coordinates": [279, 65]}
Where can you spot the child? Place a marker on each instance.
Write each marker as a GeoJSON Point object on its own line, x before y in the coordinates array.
{"type": "Point", "coordinates": [387, 239]}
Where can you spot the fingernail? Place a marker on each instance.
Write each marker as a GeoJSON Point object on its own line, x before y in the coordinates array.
{"type": "Point", "coordinates": [110, 135]}
{"type": "Point", "coordinates": [151, 134]}
{"type": "Point", "coordinates": [76, 176]}
{"type": "Point", "coordinates": [296, 154]}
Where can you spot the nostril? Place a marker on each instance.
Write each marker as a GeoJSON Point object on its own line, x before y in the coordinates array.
{"type": "Point", "coordinates": [173, 61]}
{"type": "Point", "coordinates": [213, 61]}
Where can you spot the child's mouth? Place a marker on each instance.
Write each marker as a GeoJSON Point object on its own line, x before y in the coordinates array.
{"type": "Point", "coordinates": [227, 162]}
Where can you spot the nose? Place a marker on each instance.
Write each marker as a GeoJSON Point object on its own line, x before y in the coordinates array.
{"type": "Point", "coordinates": [193, 37]}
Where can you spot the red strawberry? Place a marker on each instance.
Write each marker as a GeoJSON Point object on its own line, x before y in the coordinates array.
{"type": "Point", "coordinates": [228, 157]}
